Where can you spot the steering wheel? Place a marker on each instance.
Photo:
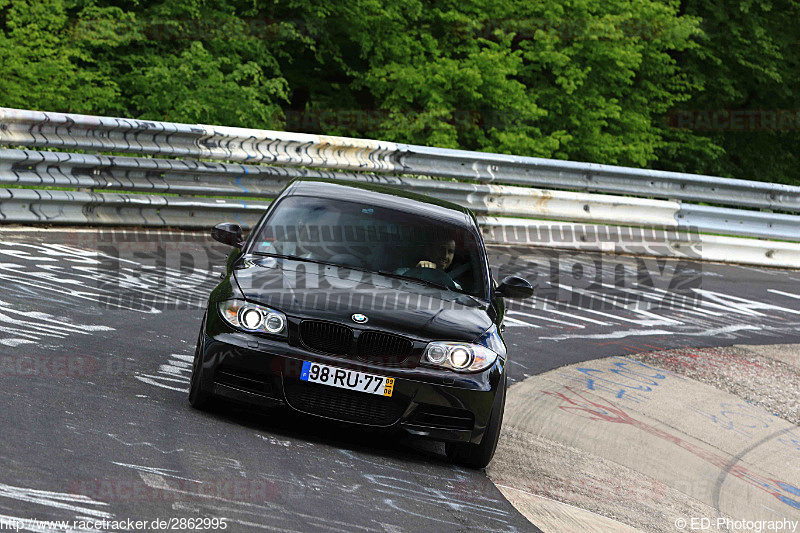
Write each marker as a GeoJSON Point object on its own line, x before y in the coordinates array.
{"type": "Point", "coordinates": [434, 275]}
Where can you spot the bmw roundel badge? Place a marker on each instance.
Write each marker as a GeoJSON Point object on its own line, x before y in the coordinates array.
{"type": "Point", "coordinates": [359, 318]}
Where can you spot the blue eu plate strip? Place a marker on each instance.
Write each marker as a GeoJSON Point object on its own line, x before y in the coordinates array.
{"type": "Point", "coordinates": [304, 372]}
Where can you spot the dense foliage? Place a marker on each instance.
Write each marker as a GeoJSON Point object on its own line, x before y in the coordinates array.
{"type": "Point", "coordinates": [691, 85]}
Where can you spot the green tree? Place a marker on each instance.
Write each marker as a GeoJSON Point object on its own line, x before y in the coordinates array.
{"type": "Point", "coordinates": [42, 65]}
{"type": "Point", "coordinates": [582, 79]}
{"type": "Point", "coordinates": [587, 80]}
{"type": "Point", "coordinates": [748, 60]}
{"type": "Point", "coordinates": [196, 61]}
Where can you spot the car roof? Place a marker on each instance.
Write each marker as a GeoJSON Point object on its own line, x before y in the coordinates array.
{"type": "Point", "coordinates": [383, 196]}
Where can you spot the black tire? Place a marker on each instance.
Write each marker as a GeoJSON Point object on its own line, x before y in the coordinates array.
{"type": "Point", "coordinates": [479, 455]}
{"type": "Point", "coordinates": [198, 398]}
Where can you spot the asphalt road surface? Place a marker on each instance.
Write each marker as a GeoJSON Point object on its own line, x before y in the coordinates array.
{"type": "Point", "coordinates": [96, 424]}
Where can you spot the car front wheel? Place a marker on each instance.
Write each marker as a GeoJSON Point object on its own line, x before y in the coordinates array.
{"type": "Point", "coordinates": [198, 398]}
{"type": "Point", "coordinates": [480, 455]}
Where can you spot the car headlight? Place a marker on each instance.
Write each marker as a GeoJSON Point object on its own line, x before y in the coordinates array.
{"type": "Point", "coordinates": [460, 356]}
{"type": "Point", "coordinates": [253, 318]}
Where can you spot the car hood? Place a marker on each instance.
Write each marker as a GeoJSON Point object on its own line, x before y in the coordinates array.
{"type": "Point", "coordinates": [309, 290]}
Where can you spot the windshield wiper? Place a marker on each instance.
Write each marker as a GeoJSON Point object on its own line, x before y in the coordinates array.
{"type": "Point", "coordinates": [279, 256]}
{"type": "Point", "coordinates": [420, 280]}
{"type": "Point", "coordinates": [317, 261]}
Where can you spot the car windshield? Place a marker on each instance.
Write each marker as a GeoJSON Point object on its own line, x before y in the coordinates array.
{"type": "Point", "coordinates": [375, 238]}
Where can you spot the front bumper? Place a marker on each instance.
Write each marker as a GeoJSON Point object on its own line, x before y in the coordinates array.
{"type": "Point", "coordinates": [427, 402]}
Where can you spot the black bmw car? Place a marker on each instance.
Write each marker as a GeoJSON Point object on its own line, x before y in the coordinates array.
{"type": "Point", "coordinates": [362, 304]}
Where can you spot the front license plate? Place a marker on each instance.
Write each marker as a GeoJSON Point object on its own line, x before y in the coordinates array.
{"type": "Point", "coordinates": [347, 379]}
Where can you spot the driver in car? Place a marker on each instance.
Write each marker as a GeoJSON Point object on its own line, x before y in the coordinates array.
{"type": "Point", "coordinates": [440, 255]}
{"type": "Point", "coordinates": [437, 255]}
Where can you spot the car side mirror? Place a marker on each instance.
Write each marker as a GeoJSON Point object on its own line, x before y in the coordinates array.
{"type": "Point", "coordinates": [228, 233]}
{"type": "Point", "coordinates": [515, 287]}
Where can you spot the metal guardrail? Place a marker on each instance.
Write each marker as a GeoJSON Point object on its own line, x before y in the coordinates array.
{"type": "Point", "coordinates": [592, 177]}
{"type": "Point", "coordinates": [653, 242]}
{"type": "Point", "coordinates": [28, 206]}
{"type": "Point", "coordinates": [104, 134]}
{"type": "Point", "coordinates": [247, 170]}
{"type": "Point", "coordinates": [171, 176]}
